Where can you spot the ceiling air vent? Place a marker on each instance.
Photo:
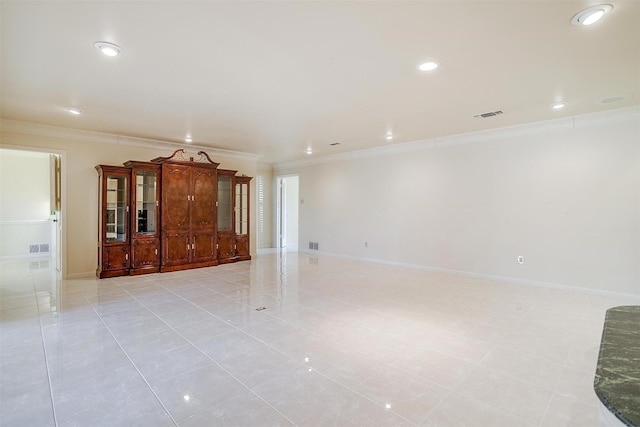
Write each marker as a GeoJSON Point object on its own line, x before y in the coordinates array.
{"type": "Point", "coordinates": [489, 114]}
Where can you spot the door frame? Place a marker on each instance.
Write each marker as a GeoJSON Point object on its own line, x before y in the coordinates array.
{"type": "Point", "coordinates": [282, 215]}
{"type": "Point", "coordinates": [61, 224]}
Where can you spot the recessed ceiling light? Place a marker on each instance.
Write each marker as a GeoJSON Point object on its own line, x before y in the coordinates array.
{"type": "Point", "coordinates": [558, 105]}
{"type": "Point", "coordinates": [188, 139]}
{"type": "Point", "coordinates": [107, 48]}
{"type": "Point", "coordinates": [591, 15]}
{"type": "Point", "coordinates": [428, 66]}
{"type": "Point", "coordinates": [74, 111]}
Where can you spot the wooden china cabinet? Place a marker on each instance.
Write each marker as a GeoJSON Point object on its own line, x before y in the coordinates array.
{"type": "Point", "coordinates": [145, 217]}
{"type": "Point", "coordinates": [188, 218]}
{"type": "Point", "coordinates": [233, 217]}
{"type": "Point", "coordinates": [113, 227]}
{"type": "Point", "coordinates": [241, 213]}
{"type": "Point", "coordinates": [172, 213]}
{"type": "Point", "coordinates": [226, 233]}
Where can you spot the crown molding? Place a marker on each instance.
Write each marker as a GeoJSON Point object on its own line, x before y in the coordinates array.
{"type": "Point", "coordinates": [107, 138]}
{"type": "Point", "coordinates": [571, 122]}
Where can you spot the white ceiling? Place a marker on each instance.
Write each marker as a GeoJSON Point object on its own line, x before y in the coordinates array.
{"type": "Point", "coordinates": [274, 78]}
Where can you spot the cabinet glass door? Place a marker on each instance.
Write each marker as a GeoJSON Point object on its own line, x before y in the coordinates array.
{"type": "Point", "coordinates": [225, 202]}
{"type": "Point", "coordinates": [116, 221]}
{"type": "Point", "coordinates": [146, 202]}
{"type": "Point", "coordinates": [242, 209]}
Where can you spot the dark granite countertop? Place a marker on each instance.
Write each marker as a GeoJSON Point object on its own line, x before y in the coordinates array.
{"type": "Point", "coordinates": [617, 380]}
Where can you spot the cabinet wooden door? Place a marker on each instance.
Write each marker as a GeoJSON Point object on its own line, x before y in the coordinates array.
{"type": "Point", "coordinates": [145, 253]}
{"type": "Point", "coordinates": [242, 247]}
{"type": "Point", "coordinates": [113, 223]}
{"type": "Point", "coordinates": [203, 195]}
{"type": "Point", "coordinates": [203, 214]}
{"type": "Point", "coordinates": [145, 231]}
{"type": "Point", "coordinates": [204, 246]}
{"type": "Point", "coordinates": [226, 235]}
{"type": "Point", "coordinates": [176, 197]}
{"type": "Point", "coordinates": [241, 215]}
{"type": "Point", "coordinates": [176, 248]}
{"type": "Point", "coordinates": [115, 259]}
{"type": "Point", "coordinates": [226, 246]}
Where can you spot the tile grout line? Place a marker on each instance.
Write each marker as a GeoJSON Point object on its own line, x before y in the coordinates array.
{"type": "Point", "coordinates": [311, 368]}
{"type": "Point", "coordinates": [564, 368]}
{"type": "Point", "coordinates": [333, 379]}
{"type": "Point", "coordinates": [449, 390]}
{"type": "Point", "coordinates": [316, 293]}
{"type": "Point", "coordinates": [132, 363]}
{"type": "Point", "coordinates": [267, 344]}
{"type": "Point", "coordinates": [200, 350]}
{"type": "Point", "coordinates": [287, 356]}
{"type": "Point", "coordinates": [44, 350]}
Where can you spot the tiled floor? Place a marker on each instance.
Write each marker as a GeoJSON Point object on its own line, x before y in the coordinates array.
{"type": "Point", "coordinates": [339, 342]}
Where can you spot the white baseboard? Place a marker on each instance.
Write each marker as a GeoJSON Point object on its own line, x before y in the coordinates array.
{"type": "Point", "coordinates": [25, 257]}
{"type": "Point", "coordinates": [516, 280]}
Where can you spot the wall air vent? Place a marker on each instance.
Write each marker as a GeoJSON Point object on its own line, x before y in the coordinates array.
{"type": "Point", "coordinates": [488, 114]}
{"type": "Point", "coordinates": [38, 248]}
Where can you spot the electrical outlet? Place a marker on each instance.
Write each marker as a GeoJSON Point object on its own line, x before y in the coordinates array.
{"type": "Point", "coordinates": [520, 259]}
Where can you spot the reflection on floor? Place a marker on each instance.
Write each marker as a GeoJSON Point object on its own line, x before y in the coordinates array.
{"type": "Point", "coordinates": [295, 339]}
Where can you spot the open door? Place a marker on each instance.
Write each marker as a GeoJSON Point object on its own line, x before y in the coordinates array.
{"type": "Point", "coordinates": [56, 208]}
{"type": "Point", "coordinates": [282, 239]}
{"type": "Point", "coordinates": [287, 212]}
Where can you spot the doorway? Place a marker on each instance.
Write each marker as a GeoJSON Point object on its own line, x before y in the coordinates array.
{"type": "Point", "coordinates": [287, 189]}
{"type": "Point", "coordinates": [31, 208]}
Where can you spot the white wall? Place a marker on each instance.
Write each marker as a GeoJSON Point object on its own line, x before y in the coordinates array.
{"type": "Point", "coordinates": [564, 194]}
{"type": "Point", "coordinates": [292, 201]}
{"type": "Point", "coordinates": [24, 201]}
{"type": "Point", "coordinates": [82, 152]}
